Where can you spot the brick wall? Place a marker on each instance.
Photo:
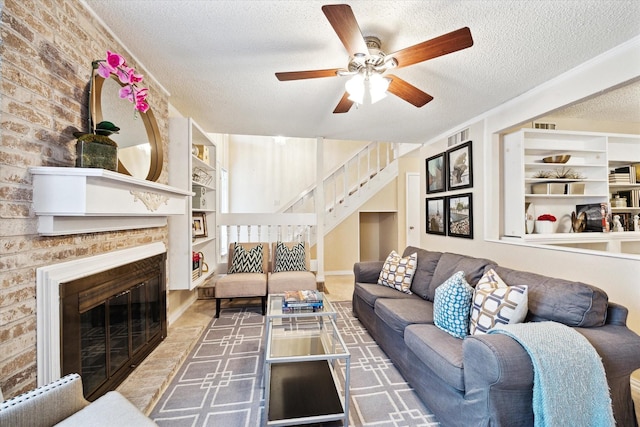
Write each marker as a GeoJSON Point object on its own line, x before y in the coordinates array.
{"type": "Point", "coordinates": [45, 67]}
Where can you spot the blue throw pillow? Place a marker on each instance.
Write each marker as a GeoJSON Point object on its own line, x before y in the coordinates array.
{"type": "Point", "coordinates": [451, 305]}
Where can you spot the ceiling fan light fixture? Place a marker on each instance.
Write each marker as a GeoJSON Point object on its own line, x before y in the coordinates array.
{"type": "Point", "coordinates": [378, 86]}
{"type": "Point", "coordinates": [355, 87]}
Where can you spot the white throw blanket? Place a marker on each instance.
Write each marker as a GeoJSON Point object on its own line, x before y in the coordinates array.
{"type": "Point", "coordinates": [569, 386]}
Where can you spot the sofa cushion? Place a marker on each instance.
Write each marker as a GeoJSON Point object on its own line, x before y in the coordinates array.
{"type": "Point", "coordinates": [397, 272]}
{"type": "Point", "coordinates": [247, 260]}
{"type": "Point", "coordinates": [289, 257]}
{"type": "Point", "coordinates": [496, 303]}
{"type": "Point", "coordinates": [452, 304]}
{"type": "Point", "coordinates": [450, 263]}
{"type": "Point", "coordinates": [370, 292]}
{"type": "Point", "coordinates": [427, 262]}
{"type": "Point", "coordinates": [399, 313]}
{"type": "Point", "coordinates": [441, 352]}
{"type": "Point", "coordinates": [559, 300]}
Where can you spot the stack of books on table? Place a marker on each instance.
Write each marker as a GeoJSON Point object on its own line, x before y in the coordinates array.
{"type": "Point", "coordinates": [306, 300]}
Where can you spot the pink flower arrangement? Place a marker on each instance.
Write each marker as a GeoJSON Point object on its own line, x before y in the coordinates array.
{"type": "Point", "coordinates": [547, 217]}
{"type": "Point", "coordinates": [116, 65]}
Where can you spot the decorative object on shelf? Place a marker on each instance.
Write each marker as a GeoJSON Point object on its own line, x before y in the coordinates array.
{"type": "Point", "coordinates": [199, 200]}
{"type": "Point", "coordinates": [436, 173]}
{"type": "Point", "coordinates": [97, 150]}
{"type": "Point", "coordinates": [636, 223]}
{"type": "Point", "coordinates": [598, 216]}
{"type": "Point", "coordinates": [617, 225]}
{"type": "Point", "coordinates": [548, 188]}
{"type": "Point", "coordinates": [460, 215]}
{"type": "Point", "coordinates": [199, 224]}
{"type": "Point", "coordinates": [567, 173]}
{"type": "Point", "coordinates": [140, 151]}
{"type": "Point", "coordinates": [116, 65]}
{"type": "Point", "coordinates": [618, 202]}
{"type": "Point", "coordinates": [578, 222]}
{"type": "Point", "coordinates": [460, 166]}
{"type": "Point", "coordinates": [557, 159]}
{"type": "Point", "coordinates": [203, 153]}
{"type": "Point", "coordinates": [436, 216]}
{"type": "Point", "coordinates": [575, 188]}
{"type": "Point", "coordinates": [200, 176]}
{"type": "Point", "coordinates": [542, 174]}
{"type": "Point", "coordinates": [545, 224]}
{"type": "Point", "coordinates": [194, 150]}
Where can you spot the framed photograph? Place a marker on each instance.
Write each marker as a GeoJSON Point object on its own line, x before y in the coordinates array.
{"type": "Point", "coordinates": [598, 216]}
{"type": "Point", "coordinates": [460, 215]}
{"type": "Point", "coordinates": [199, 224]}
{"type": "Point", "coordinates": [436, 216]}
{"type": "Point", "coordinates": [460, 166]}
{"type": "Point", "coordinates": [436, 174]}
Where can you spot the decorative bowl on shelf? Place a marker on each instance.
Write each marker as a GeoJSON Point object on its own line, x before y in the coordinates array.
{"type": "Point", "coordinates": [557, 159]}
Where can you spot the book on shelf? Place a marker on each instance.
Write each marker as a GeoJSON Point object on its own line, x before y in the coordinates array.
{"type": "Point", "coordinates": [308, 309]}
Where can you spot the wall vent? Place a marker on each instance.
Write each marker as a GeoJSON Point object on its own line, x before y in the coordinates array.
{"type": "Point", "coordinates": [457, 138]}
{"type": "Point", "coordinates": [551, 126]}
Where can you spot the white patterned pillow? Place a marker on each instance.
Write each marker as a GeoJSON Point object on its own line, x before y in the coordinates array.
{"type": "Point", "coordinates": [451, 305]}
{"type": "Point", "coordinates": [496, 303]}
{"type": "Point", "coordinates": [290, 259]}
{"type": "Point", "coordinates": [397, 272]}
{"type": "Point", "coordinates": [244, 261]}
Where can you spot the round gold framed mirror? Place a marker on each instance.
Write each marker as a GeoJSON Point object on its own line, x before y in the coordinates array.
{"type": "Point", "coordinates": [139, 142]}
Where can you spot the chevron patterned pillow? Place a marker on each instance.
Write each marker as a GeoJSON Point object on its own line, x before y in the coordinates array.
{"type": "Point", "coordinates": [290, 259]}
{"type": "Point", "coordinates": [244, 261]}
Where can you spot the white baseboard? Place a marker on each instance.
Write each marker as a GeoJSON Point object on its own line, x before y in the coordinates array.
{"type": "Point", "coordinates": [179, 311]}
{"type": "Point", "coordinates": [338, 273]}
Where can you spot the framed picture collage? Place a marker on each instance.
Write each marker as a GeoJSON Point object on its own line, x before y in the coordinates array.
{"type": "Point", "coordinates": [450, 214]}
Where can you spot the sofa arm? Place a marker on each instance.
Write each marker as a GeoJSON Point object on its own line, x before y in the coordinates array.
{"type": "Point", "coordinates": [367, 271]}
{"type": "Point", "coordinates": [495, 361]}
{"type": "Point", "coordinates": [616, 314]}
{"type": "Point", "coordinates": [498, 372]}
{"type": "Point", "coordinates": [46, 405]}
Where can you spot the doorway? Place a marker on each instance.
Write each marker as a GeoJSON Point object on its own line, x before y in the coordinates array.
{"type": "Point", "coordinates": [378, 235]}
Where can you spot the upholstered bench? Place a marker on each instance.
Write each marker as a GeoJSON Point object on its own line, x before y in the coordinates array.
{"type": "Point", "coordinates": [62, 403]}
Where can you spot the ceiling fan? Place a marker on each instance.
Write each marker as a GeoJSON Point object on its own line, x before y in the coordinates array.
{"type": "Point", "coordinates": [367, 63]}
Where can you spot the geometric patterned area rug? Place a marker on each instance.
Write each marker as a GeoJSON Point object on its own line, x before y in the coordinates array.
{"type": "Point", "coordinates": [220, 383]}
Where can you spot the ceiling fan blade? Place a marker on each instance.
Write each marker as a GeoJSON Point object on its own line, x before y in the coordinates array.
{"type": "Point", "coordinates": [344, 23]}
{"type": "Point", "coordinates": [408, 92]}
{"type": "Point", "coordinates": [313, 74]}
{"type": "Point", "coordinates": [344, 105]}
{"type": "Point", "coordinates": [443, 45]}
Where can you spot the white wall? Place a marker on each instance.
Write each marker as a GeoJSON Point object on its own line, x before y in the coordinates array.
{"type": "Point", "coordinates": [618, 276]}
{"type": "Point", "coordinates": [265, 175]}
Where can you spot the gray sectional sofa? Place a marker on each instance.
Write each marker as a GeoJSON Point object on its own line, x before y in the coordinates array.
{"type": "Point", "coordinates": [487, 380]}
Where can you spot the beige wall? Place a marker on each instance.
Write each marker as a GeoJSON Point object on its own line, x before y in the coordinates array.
{"type": "Point", "coordinates": [47, 49]}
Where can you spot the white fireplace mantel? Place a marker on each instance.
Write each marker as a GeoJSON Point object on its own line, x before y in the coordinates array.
{"type": "Point", "coordinates": [88, 200]}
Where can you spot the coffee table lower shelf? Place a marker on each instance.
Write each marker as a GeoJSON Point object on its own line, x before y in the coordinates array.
{"type": "Point", "coordinates": [303, 392]}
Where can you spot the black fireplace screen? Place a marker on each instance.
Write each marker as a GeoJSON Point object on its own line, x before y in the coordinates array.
{"type": "Point", "coordinates": [111, 321]}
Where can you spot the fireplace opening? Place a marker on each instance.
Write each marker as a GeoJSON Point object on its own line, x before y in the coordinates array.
{"type": "Point", "coordinates": [111, 321]}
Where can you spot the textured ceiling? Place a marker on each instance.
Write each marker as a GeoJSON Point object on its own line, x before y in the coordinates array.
{"type": "Point", "coordinates": [218, 58]}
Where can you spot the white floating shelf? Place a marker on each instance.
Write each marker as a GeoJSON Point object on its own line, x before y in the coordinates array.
{"type": "Point", "coordinates": [88, 200]}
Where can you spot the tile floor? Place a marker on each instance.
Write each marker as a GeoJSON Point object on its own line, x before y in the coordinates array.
{"type": "Point", "coordinates": [149, 380]}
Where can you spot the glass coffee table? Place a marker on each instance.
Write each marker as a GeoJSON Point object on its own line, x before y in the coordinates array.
{"type": "Point", "coordinates": [303, 352]}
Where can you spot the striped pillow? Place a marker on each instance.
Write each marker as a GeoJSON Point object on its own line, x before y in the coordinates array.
{"type": "Point", "coordinates": [244, 261]}
{"type": "Point", "coordinates": [290, 259]}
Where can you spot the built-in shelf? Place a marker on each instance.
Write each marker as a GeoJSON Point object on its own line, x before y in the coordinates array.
{"type": "Point", "coordinates": [88, 200]}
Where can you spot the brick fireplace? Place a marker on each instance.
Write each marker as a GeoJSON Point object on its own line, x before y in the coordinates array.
{"type": "Point", "coordinates": [100, 316]}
